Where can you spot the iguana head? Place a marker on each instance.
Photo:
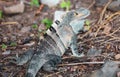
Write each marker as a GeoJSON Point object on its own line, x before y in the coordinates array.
{"type": "Point", "coordinates": [77, 14]}
{"type": "Point", "coordinates": [74, 18]}
{"type": "Point", "coordinates": [78, 21]}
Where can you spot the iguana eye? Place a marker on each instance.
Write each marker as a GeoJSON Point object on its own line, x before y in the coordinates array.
{"type": "Point", "coordinates": [75, 13]}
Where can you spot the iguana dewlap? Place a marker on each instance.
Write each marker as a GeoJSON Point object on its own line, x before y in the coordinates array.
{"type": "Point", "coordinates": [60, 36]}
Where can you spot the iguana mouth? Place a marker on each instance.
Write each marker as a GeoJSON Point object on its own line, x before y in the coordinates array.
{"type": "Point", "coordinates": [79, 16]}
{"type": "Point", "coordinates": [82, 13]}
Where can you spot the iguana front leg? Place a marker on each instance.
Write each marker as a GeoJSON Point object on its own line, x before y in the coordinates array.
{"type": "Point", "coordinates": [74, 47]}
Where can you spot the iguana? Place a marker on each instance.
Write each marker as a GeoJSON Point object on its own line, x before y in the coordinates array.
{"type": "Point", "coordinates": [60, 36]}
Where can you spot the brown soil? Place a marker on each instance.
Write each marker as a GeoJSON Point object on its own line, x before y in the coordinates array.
{"type": "Point", "coordinates": [107, 38]}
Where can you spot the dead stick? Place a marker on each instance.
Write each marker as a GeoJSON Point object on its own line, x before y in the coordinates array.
{"type": "Point", "coordinates": [91, 4]}
{"type": "Point", "coordinates": [102, 36]}
{"type": "Point", "coordinates": [9, 23]}
{"type": "Point", "coordinates": [73, 64]}
{"type": "Point", "coordinates": [101, 17]}
{"type": "Point", "coordinates": [102, 14]}
{"type": "Point", "coordinates": [108, 19]}
{"type": "Point", "coordinates": [53, 74]}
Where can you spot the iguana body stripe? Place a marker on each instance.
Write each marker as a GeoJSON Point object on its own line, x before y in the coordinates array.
{"type": "Point", "coordinates": [56, 40]}
{"type": "Point", "coordinates": [59, 42]}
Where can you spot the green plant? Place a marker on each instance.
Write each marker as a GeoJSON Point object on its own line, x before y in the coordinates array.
{"type": "Point", "coordinates": [87, 22]}
{"type": "Point", "coordinates": [65, 4]}
{"type": "Point", "coordinates": [34, 3]}
{"type": "Point", "coordinates": [4, 46]}
{"type": "Point", "coordinates": [35, 26]}
{"type": "Point", "coordinates": [1, 14]}
{"type": "Point", "coordinates": [13, 44]}
{"type": "Point", "coordinates": [47, 22]}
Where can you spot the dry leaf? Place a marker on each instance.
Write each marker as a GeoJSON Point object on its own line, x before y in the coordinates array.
{"type": "Point", "coordinates": [18, 8]}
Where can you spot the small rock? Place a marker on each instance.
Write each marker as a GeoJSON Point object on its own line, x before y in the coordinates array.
{"type": "Point", "coordinates": [114, 6]}
{"type": "Point", "coordinates": [27, 40]}
{"type": "Point", "coordinates": [7, 52]}
{"type": "Point", "coordinates": [13, 37]}
{"type": "Point", "coordinates": [32, 35]}
{"type": "Point", "coordinates": [30, 44]}
{"type": "Point", "coordinates": [118, 74]}
{"type": "Point", "coordinates": [50, 3]}
{"type": "Point", "coordinates": [18, 8]}
{"type": "Point", "coordinates": [94, 52]}
{"type": "Point", "coordinates": [109, 69]}
{"type": "Point", "coordinates": [5, 39]}
{"type": "Point", "coordinates": [0, 39]}
{"type": "Point", "coordinates": [117, 56]}
{"type": "Point", "coordinates": [100, 3]}
{"type": "Point", "coordinates": [60, 76]}
{"type": "Point", "coordinates": [25, 29]}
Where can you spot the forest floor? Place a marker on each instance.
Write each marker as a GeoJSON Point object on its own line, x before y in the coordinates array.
{"type": "Point", "coordinates": [17, 35]}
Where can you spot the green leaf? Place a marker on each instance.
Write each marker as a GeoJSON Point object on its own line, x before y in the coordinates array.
{"type": "Point", "coordinates": [1, 14]}
{"type": "Point", "coordinates": [35, 26]}
{"type": "Point", "coordinates": [13, 44]}
{"type": "Point", "coordinates": [87, 22]}
{"type": "Point", "coordinates": [47, 22]}
{"type": "Point", "coordinates": [87, 27]}
{"type": "Point", "coordinates": [35, 3]}
{"type": "Point", "coordinates": [4, 46]}
{"type": "Point", "coordinates": [65, 4]}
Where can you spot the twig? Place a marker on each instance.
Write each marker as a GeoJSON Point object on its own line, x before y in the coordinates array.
{"type": "Point", "coordinates": [103, 11]}
{"type": "Point", "coordinates": [103, 24]}
{"type": "Point", "coordinates": [91, 4]}
{"type": "Point", "coordinates": [91, 39]}
{"type": "Point", "coordinates": [108, 19]}
{"type": "Point", "coordinates": [101, 17]}
{"type": "Point", "coordinates": [10, 74]}
{"type": "Point", "coordinates": [40, 8]}
{"type": "Point", "coordinates": [68, 57]}
{"type": "Point", "coordinates": [112, 15]}
{"type": "Point", "coordinates": [102, 36]}
{"type": "Point", "coordinates": [73, 64]}
{"type": "Point", "coordinates": [52, 74]}
{"type": "Point", "coordinates": [9, 23]}
{"type": "Point", "coordinates": [89, 31]}
{"type": "Point", "coordinates": [114, 32]}
{"type": "Point", "coordinates": [103, 40]}
{"type": "Point", "coordinates": [111, 40]}
{"type": "Point", "coordinates": [107, 42]}
{"type": "Point", "coordinates": [85, 34]}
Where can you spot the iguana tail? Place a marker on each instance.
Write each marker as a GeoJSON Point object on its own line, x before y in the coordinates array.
{"type": "Point", "coordinates": [37, 62]}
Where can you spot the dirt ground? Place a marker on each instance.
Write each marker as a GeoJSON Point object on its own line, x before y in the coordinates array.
{"type": "Point", "coordinates": [103, 35]}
